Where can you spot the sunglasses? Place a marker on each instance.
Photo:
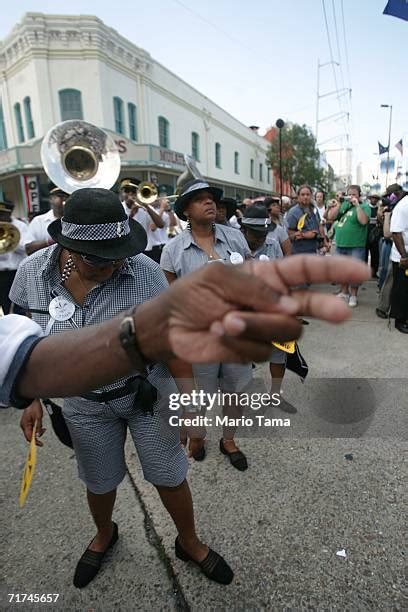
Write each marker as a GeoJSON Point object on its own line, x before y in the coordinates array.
{"type": "Point", "coordinates": [99, 262]}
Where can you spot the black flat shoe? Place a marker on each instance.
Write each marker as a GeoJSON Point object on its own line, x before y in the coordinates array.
{"type": "Point", "coordinates": [213, 566]}
{"type": "Point", "coordinates": [200, 454]}
{"type": "Point", "coordinates": [237, 458]}
{"type": "Point", "coordinates": [286, 407]}
{"type": "Point", "coordinates": [380, 313]}
{"type": "Point", "coordinates": [91, 561]}
{"type": "Point", "coordinates": [402, 326]}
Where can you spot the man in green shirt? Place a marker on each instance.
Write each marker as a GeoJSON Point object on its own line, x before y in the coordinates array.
{"type": "Point", "coordinates": [352, 216]}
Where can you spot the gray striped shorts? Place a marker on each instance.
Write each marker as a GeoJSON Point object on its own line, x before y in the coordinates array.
{"type": "Point", "coordinates": [98, 433]}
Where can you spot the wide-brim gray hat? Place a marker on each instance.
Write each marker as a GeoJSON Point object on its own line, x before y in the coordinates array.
{"type": "Point", "coordinates": [95, 223]}
{"type": "Point", "coordinates": [189, 190]}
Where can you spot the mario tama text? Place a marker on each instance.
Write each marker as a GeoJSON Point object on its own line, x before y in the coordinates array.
{"type": "Point", "coordinates": [258, 420]}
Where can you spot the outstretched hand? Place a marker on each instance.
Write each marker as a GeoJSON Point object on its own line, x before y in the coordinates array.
{"type": "Point", "coordinates": [233, 313]}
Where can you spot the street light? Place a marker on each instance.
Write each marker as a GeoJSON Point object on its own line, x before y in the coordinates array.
{"type": "Point", "coordinates": [389, 142]}
{"type": "Point", "coordinates": [279, 124]}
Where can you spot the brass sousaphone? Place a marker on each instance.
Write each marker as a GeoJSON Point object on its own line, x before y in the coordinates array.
{"type": "Point", "coordinates": [76, 154]}
{"type": "Point", "coordinates": [9, 237]}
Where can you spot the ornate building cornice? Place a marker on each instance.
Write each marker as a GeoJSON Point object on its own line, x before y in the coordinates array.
{"type": "Point", "coordinates": [40, 35]}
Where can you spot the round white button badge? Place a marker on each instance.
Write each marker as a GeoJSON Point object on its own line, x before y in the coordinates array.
{"type": "Point", "coordinates": [263, 258]}
{"type": "Point", "coordinates": [236, 258]}
{"type": "Point", "coordinates": [61, 309]}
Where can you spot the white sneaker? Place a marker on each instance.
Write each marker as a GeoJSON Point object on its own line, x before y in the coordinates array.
{"type": "Point", "coordinates": [352, 301]}
{"type": "Point", "coordinates": [343, 296]}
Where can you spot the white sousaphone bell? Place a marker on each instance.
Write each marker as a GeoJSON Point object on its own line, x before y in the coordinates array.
{"type": "Point", "coordinates": [76, 154]}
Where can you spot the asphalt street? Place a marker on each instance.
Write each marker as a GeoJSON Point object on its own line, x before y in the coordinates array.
{"type": "Point", "coordinates": [317, 522]}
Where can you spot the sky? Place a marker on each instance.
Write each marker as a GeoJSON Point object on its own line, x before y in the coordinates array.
{"type": "Point", "coordinates": [258, 60]}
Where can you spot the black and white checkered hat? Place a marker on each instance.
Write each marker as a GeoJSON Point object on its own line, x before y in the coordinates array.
{"type": "Point", "coordinates": [95, 223]}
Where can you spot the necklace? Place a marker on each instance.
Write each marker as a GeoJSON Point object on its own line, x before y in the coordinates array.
{"type": "Point", "coordinates": [212, 254]}
{"type": "Point", "coordinates": [67, 269]}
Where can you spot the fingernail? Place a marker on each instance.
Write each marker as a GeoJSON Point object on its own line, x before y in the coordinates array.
{"type": "Point", "coordinates": [238, 324]}
{"type": "Point", "coordinates": [288, 304]}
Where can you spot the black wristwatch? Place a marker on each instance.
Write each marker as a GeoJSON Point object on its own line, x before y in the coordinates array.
{"type": "Point", "coordinates": [130, 344]}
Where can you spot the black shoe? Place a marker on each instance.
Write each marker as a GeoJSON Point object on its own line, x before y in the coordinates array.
{"type": "Point", "coordinates": [237, 458]}
{"type": "Point", "coordinates": [380, 313]}
{"type": "Point", "coordinates": [91, 561]}
{"type": "Point", "coordinates": [286, 406]}
{"type": "Point", "coordinates": [402, 326]}
{"type": "Point", "coordinates": [213, 566]}
{"type": "Point", "coordinates": [199, 455]}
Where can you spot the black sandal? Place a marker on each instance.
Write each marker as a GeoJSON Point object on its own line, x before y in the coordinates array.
{"type": "Point", "coordinates": [213, 566]}
{"type": "Point", "coordinates": [237, 458]}
{"type": "Point", "coordinates": [91, 561]}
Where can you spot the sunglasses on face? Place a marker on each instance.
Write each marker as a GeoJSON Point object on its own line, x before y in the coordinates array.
{"type": "Point", "coordinates": [99, 262]}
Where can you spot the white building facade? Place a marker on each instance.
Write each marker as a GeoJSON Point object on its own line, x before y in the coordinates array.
{"type": "Point", "coordinates": [57, 67]}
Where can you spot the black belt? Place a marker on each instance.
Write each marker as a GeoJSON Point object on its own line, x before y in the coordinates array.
{"type": "Point", "coordinates": [145, 394]}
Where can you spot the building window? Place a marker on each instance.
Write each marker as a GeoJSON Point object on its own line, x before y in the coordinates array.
{"type": "Point", "coordinates": [3, 135]}
{"type": "Point", "coordinates": [118, 115]}
{"type": "Point", "coordinates": [70, 104]}
{"type": "Point", "coordinates": [164, 133]}
{"type": "Point", "coordinates": [261, 172]}
{"type": "Point", "coordinates": [19, 122]}
{"type": "Point", "coordinates": [268, 175]}
{"type": "Point", "coordinates": [236, 162]}
{"type": "Point", "coordinates": [252, 169]}
{"type": "Point", "coordinates": [132, 121]}
{"type": "Point", "coordinates": [195, 146]}
{"type": "Point", "coordinates": [28, 118]}
{"type": "Point", "coordinates": [217, 155]}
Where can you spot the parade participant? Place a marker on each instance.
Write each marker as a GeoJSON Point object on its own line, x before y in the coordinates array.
{"type": "Point", "coordinates": [10, 261]}
{"type": "Point", "coordinates": [256, 231]}
{"type": "Point", "coordinates": [91, 274]}
{"type": "Point", "coordinates": [374, 234]}
{"type": "Point", "coordinates": [399, 258]}
{"type": "Point", "coordinates": [320, 207]}
{"type": "Point", "coordinates": [303, 224]}
{"type": "Point", "coordinates": [37, 236]}
{"type": "Point", "coordinates": [277, 230]}
{"type": "Point", "coordinates": [205, 242]}
{"type": "Point", "coordinates": [143, 214]}
{"type": "Point", "coordinates": [232, 325]}
{"type": "Point", "coordinates": [226, 209]}
{"type": "Point", "coordinates": [157, 237]}
{"type": "Point", "coordinates": [352, 217]}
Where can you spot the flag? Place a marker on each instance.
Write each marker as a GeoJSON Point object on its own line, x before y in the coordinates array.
{"type": "Point", "coordinates": [399, 146]}
{"type": "Point", "coordinates": [397, 8]}
{"type": "Point", "coordinates": [382, 149]}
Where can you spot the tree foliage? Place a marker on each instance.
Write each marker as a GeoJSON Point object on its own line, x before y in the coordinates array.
{"type": "Point", "coordinates": [300, 157]}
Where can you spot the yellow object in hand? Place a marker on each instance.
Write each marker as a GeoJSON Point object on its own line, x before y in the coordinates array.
{"type": "Point", "coordinates": [29, 469]}
{"type": "Point", "coordinates": [288, 347]}
{"type": "Point", "coordinates": [301, 222]}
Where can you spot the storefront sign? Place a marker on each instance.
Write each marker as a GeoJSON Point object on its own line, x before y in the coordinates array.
{"type": "Point", "coordinates": [32, 193]}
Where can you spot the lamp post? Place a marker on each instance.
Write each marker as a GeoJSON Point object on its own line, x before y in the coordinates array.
{"type": "Point", "coordinates": [389, 142]}
{"type": "Point", "coordinates": [279, 124]}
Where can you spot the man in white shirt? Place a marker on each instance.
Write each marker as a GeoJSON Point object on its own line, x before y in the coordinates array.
{"type": "Point", "coordinates": [10, 261]}
{"type": "Point", "coordinates": [37, 236]}
{"type": "Point", "coordinates": [399, 258]}
{"type": "Point", "coordinates": [146, 215]}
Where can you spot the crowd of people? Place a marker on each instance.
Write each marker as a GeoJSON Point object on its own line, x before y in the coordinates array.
{"type": "Point", "coordinates": [94, 255]}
